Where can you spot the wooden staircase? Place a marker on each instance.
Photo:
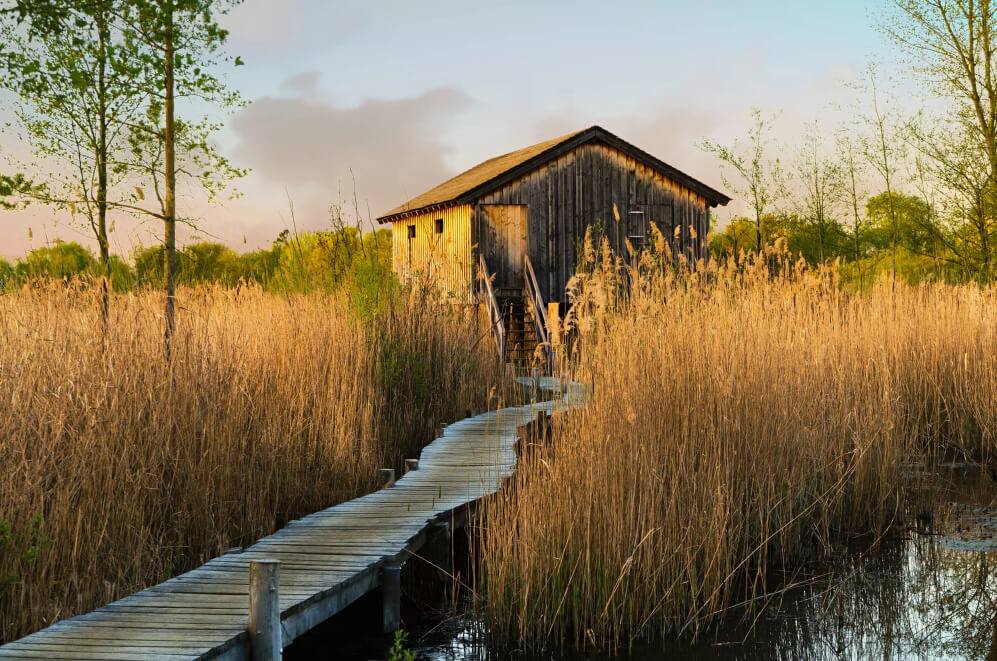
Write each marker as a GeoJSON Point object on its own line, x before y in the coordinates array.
{"type": "Point", "coordinates": [518, 320]}
{"type": "Point", "coordinates": [521, 335]}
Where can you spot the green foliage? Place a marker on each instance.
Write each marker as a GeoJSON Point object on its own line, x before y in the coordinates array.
{"type": "Point", "coordinates": [372, 282]}
{"type": "Point", "coordinates": [25, 550]}
{"type": "Point", "coordinates": [861, 274]}
{"type": "Point", "coordinates": [148, 263]}
{"type": "Point", "coordinates": [739, 235]}
{"type": "Point", "coordinates": [401, 364]}
{"type": "Point", "coordinates": [7, 274]}
{"type": "Point", "coordinates": [190, 29]}
{"type": "Point", "coordinates": [210, 262]}
{"type": "Point", "coordinates": [61, 260]}
{"type": "Point", "coordinates": [258, 266]}
{"type": "Point", "coordinates": [16, 189]}
{"type": "Point", "coordinates": [814, 242]}
{"type": "Point", "coordinates": [6, 536]}
{"type": "Point", "coordinates": [72, 79]}
{"type": "Point", "coordinates": [925, 249]}
{"type": "Point", "coordinates": [914, 227]}
{"type": "Point", "coordinates": [333, 259]}
{"type": "Point", "coordinates": [329, 261]}
{"type": "Point", "coordinates": [122, 275]}
{"type": "Point", "coordinates": [198, 264]}
{"type": "Point", "coordinates": [398, 651]}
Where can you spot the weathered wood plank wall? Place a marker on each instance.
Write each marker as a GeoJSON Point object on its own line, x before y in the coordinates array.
{"type": "Point", "coordinates": [578, 189]}
{"type": "Point", "coordinates": [506, 242]}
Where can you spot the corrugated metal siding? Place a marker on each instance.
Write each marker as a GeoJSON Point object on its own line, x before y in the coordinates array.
{"type": "Point", "coordinates": [439, 260]}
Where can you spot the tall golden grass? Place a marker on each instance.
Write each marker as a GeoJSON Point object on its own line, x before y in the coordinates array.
{"type": "Point", "coordinates": [746, 417]}
{"type": "Point", "coordinates": [119, 471]}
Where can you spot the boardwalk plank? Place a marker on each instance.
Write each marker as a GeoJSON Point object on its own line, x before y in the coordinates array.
{"type": "Point", "coordinates": [328, 558]}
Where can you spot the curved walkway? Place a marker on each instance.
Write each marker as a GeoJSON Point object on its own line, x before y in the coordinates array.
{"type": "Point", "coordinates": [328, 559]}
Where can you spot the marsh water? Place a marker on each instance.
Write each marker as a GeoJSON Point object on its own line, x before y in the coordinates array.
{"type": "Point", "coordinates": [927, 592]}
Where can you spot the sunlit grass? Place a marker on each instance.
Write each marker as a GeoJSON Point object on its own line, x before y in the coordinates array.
{"type": "Point", "coordinates": [747, 417]}
{"type": "Point", "coordinates": [120, 471]}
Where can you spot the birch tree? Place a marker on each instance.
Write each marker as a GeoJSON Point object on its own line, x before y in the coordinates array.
{"type": "Point", "coordinates": [758, 177]}
{"type": "Point", "coordinates": [951, 44]}
{"type": "Point", "coordinates": [853, 196]}
{"type": "Point", "coordinates": [821, 188]}
{"type": "Point", "coordinates": [179, 44]}
{"type": "Point", "coordinates": [883, 150]}
{"type": "Point", "coordinates": [75, 101]}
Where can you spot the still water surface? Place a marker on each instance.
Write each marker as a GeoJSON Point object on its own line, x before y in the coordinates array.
{"type": "Point", "coordinates": [930, 593]}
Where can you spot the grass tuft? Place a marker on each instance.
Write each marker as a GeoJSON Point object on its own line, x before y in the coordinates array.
{"type": "Point", "coordinates": [121, 471]}
{"type": "Point", "coordinates": [747, 417]}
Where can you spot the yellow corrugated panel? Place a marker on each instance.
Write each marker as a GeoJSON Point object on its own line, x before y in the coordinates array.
{"type": "Point", "coordinates": [438, 259]}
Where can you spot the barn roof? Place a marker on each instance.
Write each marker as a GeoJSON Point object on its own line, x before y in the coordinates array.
{"type": "Point", "coordinates": [498, 171]}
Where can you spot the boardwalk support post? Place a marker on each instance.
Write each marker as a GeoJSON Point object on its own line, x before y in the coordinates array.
{"type": "Point", "coordinates": [391, 593]}
{"type": "Point", "coordinates": [440, 548]}
{"type": "Point", "coordinates": [411, 465]}
{"type": "Point", "coordinates": [264, 610]}
{"type": "Point", "coordinates": [386, 477]}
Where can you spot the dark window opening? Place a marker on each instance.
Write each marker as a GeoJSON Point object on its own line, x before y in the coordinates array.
{"type": "Point", "coordinates": [411, 231]}
{"type": "Point", "coordinates": [439, 226]}
{"type": "Point", "coordinates": [638, 229]}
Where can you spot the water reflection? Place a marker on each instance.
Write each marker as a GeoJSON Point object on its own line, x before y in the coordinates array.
{"type": "Point", "coordinates": [929, 594]}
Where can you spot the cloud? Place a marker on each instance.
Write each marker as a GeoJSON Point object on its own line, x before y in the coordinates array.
{"type": "Point", "coordinates": [304, 83]}
{"type": "Point", "coordinates": [672, 130]}
{"type": "Point", "coordinates": [393, 149]}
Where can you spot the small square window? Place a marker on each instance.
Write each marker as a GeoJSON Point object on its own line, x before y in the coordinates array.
{"type": "Point", "coordinates": [411, 231]}
{"type": "Point", "coordinates": [439, 226]}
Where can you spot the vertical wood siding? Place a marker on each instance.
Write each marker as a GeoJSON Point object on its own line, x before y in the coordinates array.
{"type": "Point", "coordinates": [567, 195]}
{"type": "Point", "coordinates": [505, 243]}
{"type": "Point", "coordinates": [443, 261]}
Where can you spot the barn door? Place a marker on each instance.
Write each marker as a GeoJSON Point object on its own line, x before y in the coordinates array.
{"type": "Point", "coordinates": [507, 243]}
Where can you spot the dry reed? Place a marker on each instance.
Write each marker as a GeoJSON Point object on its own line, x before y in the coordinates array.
{"type": "Point", "coordinates": [119, 471]}
{"type": "Point", "coordinates": [746, 418]}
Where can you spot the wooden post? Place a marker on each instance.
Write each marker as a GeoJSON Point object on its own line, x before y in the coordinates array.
{"type": "Point", "coordinates": [439, 431]}
{"type": "Point", "coordinates": [391, 595]}
{"type": "Point", "coordinates": [440, 548]}
{"type": "Point", "coordinates": [264, 610]}
{"type": "Point", "coordinates": [411, 465]}
{"type": "Point", "coordinates": [386, 477]}
{"type": "Point", "coordinates": [554, 323]}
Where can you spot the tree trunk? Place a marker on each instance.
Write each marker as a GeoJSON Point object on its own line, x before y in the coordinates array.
{"type": "Point", "coordinates": [985, 250]}
{"type": "Point", "coordinates": [102, 241]}
{"type": "Point", "coordinates": [169, 179]}
{"type": "Point", "coordinates": [820, 240]}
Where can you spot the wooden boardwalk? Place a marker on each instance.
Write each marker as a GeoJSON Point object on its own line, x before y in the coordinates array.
{"type": "Point", "coordinates": [327, 559]}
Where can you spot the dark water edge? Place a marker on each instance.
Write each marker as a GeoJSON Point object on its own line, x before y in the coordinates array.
{"type": "Point", "coordinates": [929, 592]}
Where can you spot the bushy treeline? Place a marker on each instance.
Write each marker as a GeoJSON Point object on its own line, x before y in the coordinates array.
{"type": "Point", "coordinates": [891, 220]}
{"type": "Point", "coordinates": [293, 263]}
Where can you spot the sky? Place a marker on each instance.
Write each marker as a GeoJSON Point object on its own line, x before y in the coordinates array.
{"type": "Point", "coordinates": [366, 104]}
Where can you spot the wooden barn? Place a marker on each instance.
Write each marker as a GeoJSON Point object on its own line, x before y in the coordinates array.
{"type": "Point", "coordinates": [520, 219]}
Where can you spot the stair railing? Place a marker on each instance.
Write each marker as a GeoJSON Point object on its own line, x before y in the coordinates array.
{"type": "Point", "coordinates": [539, 312]}
{"type": "Point", "coordinates": [494, 313]}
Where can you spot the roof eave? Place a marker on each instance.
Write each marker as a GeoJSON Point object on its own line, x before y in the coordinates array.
{"type": "Point", "coordinates": [712, 196]}
{"type": "Point", "coordinates": [401, 215]}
